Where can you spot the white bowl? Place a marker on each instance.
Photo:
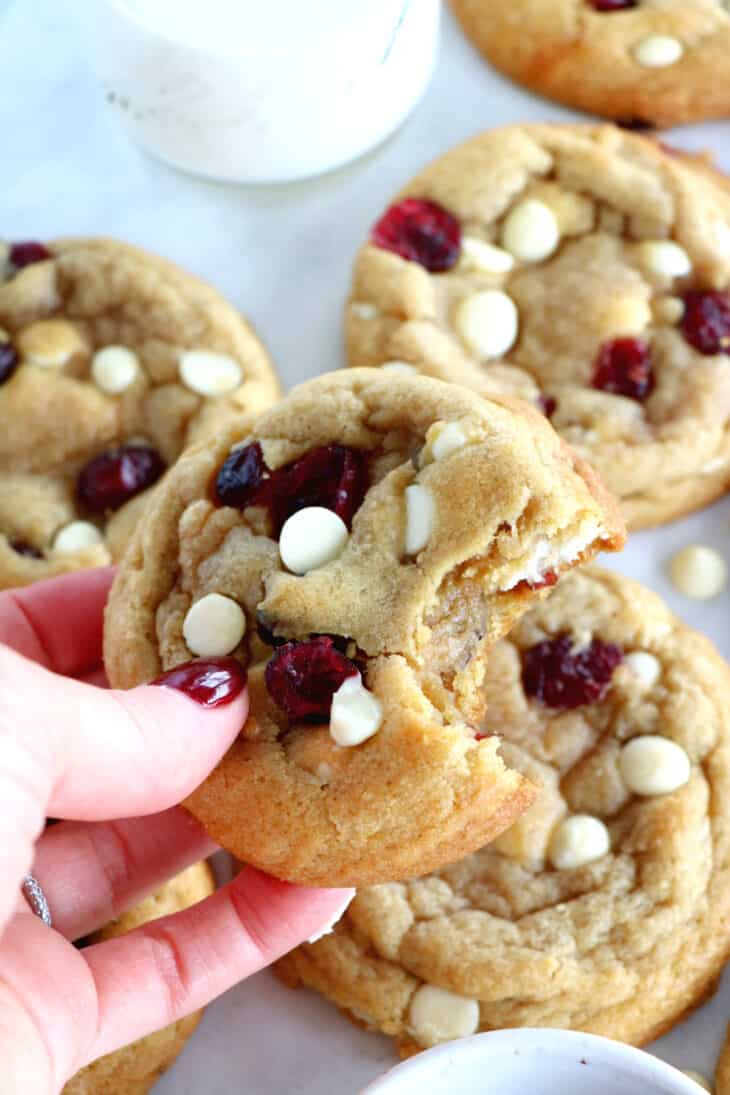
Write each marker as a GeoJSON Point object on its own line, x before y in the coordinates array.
{"type": "Point", "coordinates": [534, 1062]}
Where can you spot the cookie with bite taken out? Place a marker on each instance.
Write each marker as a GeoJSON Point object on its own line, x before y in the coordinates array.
{"type": "Point", "coordinates": [360, 549]}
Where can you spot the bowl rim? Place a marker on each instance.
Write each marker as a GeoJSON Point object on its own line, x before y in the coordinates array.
{"type": "Point", "coordinates": [548, 1041]}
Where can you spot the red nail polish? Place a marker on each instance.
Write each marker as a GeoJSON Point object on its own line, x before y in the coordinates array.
{"type": "Point", "coordinates": [211, 682]}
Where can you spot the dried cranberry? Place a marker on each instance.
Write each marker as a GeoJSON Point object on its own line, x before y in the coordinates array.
{"type": "Point", "coordinates": [21, 548]}
{"type": "Point", "coordinates": [547, 404]}
{"type": "Point", "coordinates": [706, 321]}
{"type": "Point", "coordinates": [27, 252]}
{"type": "Point", "coordinates": [303, 677]}
{"type": "Point", "coordinates": [331, 476]}
{"type": "Point", "coordinates": [624, 367]}
{"type": "Point", "coordinates": [111, 479]}
{"type": "Point", "coordinates": [420, 231]}
{"type": "Point", "coordinates": [240, 476]}
{"type": "Point", "coordinates": [613, 5]}
{"type": "Point", "coordinates": [8, 361]}
{"type": "Point", "coordinates": [561, 676]}
{"type": "Point", "coordinates": [548, 579]}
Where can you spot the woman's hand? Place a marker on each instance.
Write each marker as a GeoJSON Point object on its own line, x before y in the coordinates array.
{"type": "Point", "coordinates": [72, 750]}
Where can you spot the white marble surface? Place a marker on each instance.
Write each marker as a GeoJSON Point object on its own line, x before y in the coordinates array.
{"type": "Point", "coordinates": [283, 255]}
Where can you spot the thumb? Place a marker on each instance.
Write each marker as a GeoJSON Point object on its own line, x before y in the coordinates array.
{"type": "Point", "coordinates": [89, 753]}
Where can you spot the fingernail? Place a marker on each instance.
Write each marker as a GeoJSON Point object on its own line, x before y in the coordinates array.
{"type": "Point", "coordinates": [211, 682]}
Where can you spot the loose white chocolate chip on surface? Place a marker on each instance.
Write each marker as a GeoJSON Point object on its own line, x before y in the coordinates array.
{"type": "Point", "coordinates": [114, 369]}
{"type": "Point", "coordinates": [76, 536]}
{"type": "Point", "coordinates": [664, 257]}
{"type": "Point", "coordinates": [645, 667]}
{"type": "Point", "coordinates": [214, 626]}
{"type": "Point", "coordinates": [420, 512]}
{"type": "Point", "coordinates": [578, 840]}
{"type": "Point", "coordinates": [658, 50]}
{"type": "Point", "coordinates": [698, 1078]}
{"type": "Point", "coordinates": [485, 258]}
{"type": "Point", "coordinates": [311, 538]}
{"type": "Point", "coordinates": [209, 373]}
{"type": "Point", "coordinates": [530, 231]}
{"type": "Point", "coordinates": [653, 765]}
{"type": "Point", "coordinates": [437, 1015]}
{"type": "Point", "coordinates": [698, 572]}
{"type": "Point", "coordinates": [50, 343]}
{"type": "Point", "coordinates": [487, 322]}
{"type": "Point", "coordinates": [355, 715]}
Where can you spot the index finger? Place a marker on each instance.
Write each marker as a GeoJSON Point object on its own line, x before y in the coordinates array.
{"type": "Point", "coordinates": [58, 623]}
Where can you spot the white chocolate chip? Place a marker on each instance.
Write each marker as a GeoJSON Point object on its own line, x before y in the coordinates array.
{"type": "Point", "coordinates": [652, 765]}
{"type": "Point", "coordinates": [76, 536]}
{"type": "Point", "coordinates": [488, 322]}
{"type": "Point", "coordinates": [578, 840]}
{"type": "Point", "coordinates": [712, 466]}
{"type": "Point", "coordinates": [363, 310]}
{"type": "Point", "coordinates": [668, 310]}
{"type": "Point", "coordinates": [698, 1078]}
{"type": "Point", "coordinates": [311, 538]}
{"type": "Point", "coordinates": [664, 257]}
{"type": "Point", "coordinates": [658, 51]}
{"type": "Point", "coordinates": [355, 715]}
{"type": "Point", "coordinates": [624, 316]}
{"type": "Point", "coordinates": [552, 555]}
{"type": "Point", "coordinates": [50, 343]}
{"type": "Point", "coordinates": [530, 231]}
{"type": "Point", "coordinates": [645, 667]}
{"type": "Point", "coordinates": [323, 772]}
{"type": "Point", "coordinates": [399, 367]}
{"type": "Point", "coordinates": [443, 439]}
{"type": "Point", "coordinates": [114, 369]}
{"type": "Point", "coordinates": [420, 513]}
{"type": "Point", "coordinates": [209, 373]}
{"type": "Point", "coordinates": [485, 257]}
{"type": "Point", "coordinates": [214, 626]}
{"type": "Point", "coordinates": [720, 231]}
{"type": "Point", "coordinates": [698, 572]}
{"type": "Point", "coordinates": [437, 1015]}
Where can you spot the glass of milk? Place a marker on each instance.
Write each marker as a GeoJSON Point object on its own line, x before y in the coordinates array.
{"type": "Point", "coordinates": [252, 91]}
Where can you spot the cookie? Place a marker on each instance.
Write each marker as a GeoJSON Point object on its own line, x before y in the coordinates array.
{"type": "Point", "coordinates": [646, 62]}
{"type": "Point", "coordinates": [111, 362]}
{"type": "Point", "coordinates": [135, 1069]}
{"type": "Point", "coordinates": [360, 551]}
{"type": "Point", "coordinates": [605, 907]}
{"type": "Point", "coordinates": [584, 269]}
